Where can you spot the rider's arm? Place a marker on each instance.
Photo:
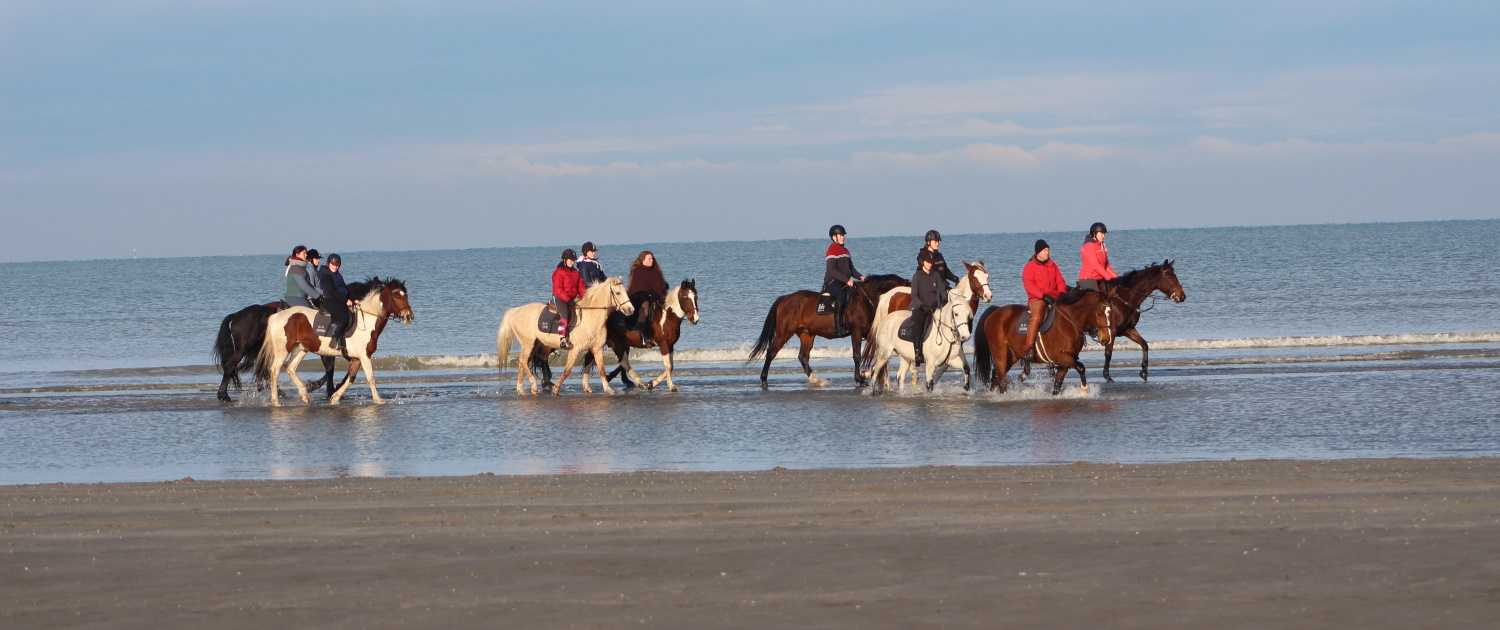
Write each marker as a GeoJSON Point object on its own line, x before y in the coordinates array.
{"type": "Point", "coordinates": [307, 288]}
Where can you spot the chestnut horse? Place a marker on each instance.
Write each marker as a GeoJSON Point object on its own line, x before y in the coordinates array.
{"type": "Point", "coordinates": [899, 300]}
{"type": "Point", "coordinates": [1133, 288]}
{"type": "Point", "coordinates": [666, 329]}
{"type": "Point", "coordinates": [797, 314]}
{"type": "Point", "coordinates": [239, 340]}
{"type": "Point", "coordinates": [996, 335]}
{"type": "Point", "coordinates": [290, 332]}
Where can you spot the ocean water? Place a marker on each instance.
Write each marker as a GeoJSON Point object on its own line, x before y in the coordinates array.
{"type": "Point", "coordinates": [1305, 341]}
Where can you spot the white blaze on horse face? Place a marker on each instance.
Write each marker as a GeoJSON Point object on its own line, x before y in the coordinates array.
{"type": "Point", "coordinates": [693, 301]}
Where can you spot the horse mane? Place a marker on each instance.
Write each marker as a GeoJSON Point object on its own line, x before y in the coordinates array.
{"type": "Point", "coordinates": [358, 290]}
{"type": "Point", "coordinates": [1073, 295]}
{"type": "Point", "coordinates": [1128, 278]}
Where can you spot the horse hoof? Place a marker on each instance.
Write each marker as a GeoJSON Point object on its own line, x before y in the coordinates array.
{"type": "Point", "coordinates": [671, 388]}
{"type": "Point", "coordinates": [1108, 379]}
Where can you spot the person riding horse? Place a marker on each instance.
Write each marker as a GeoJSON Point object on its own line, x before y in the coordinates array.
{"type": "Point", "coordinates": [567, 287]}
{"type": "Point", "coordinates": [1095, 269]}
{"type": "Point", "coordinates": [1044, 282]}
{"type": "Point", "coordinates": [929, 292]}
{"type": "Point", "coordinates": [589, 268]}
{"type": "Point", "coordinates": [648, 290]}
{"type": "Point", "coordinates": [839, 275]}
{"type": "Point", "coordinates": [335, 300]}
{"type": "Point", "coordinates": [299, 291]}
{"type": "Point", "coordinates": [934, 242]}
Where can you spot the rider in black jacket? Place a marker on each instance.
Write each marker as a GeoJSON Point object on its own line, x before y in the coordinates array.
{"type": "Point", "coordinates": [335, 300]}
{"type": "Point", "coordinates": [927, 295]}
{"type": "Point", "coordinates": [939, 265]}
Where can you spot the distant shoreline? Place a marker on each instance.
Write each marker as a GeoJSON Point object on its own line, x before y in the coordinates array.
{"type": "Point", "coordinates": [1377, 543]}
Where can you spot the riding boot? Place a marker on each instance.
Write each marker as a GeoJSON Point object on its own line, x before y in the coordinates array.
{"type": "Point", "coordinates": [643, 325]}
{"type": "Point", "coordinates": [562, 331]}
{"type": "Point", "coordinates": [1035, 308]}
{"type": "Point", "coordinates": [917, 351]}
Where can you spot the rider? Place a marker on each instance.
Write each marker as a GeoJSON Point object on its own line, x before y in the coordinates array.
{"type": "Point", "coordinates": [589, 268]}
{"type": "Point", "coordinates": [648, 288]}
{"type": "Point", "coordinates": [335, 300]}
{"type": "Point", "coordinates": [567, 287]}
{"type": "Point", "coordinates": [934, 243]}
{"type": "Point", "coordinates": [1095, 268]}
{"type": "Point", "coordinates": [927, 295]}
{"type": "Point", "coordinates": [839, 274]}
{"type": "Point", "coordinates": [1044, 282]}
{"type": "Point", "coordinates": [314, 267]}
{"type": "Point", "coordinates": [299, 291]}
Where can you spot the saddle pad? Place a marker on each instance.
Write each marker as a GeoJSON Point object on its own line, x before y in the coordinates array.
{"type": "Point", "coordinates": [323, 324]}
{"type": "Point", "coordinates": [907, 331]}
{"type": "Point", "coordinates": [1048, 316]}
{"type": "Point", "coordinates": [547, 322]}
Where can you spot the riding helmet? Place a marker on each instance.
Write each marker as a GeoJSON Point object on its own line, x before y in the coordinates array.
{"type": "Point", "coordinates": [568, 254]}
{"type": "Point", "coordinates": [932, 235]}
{"type": "Point", "coordinates": [1098, 227]}
{"type": "Point", "coordinates": [588, 246]}
{"type": "Point", "coordinates": [924, 255]}
{"type": "Point", "coordinates": [333, 259]}
{"type": "Point", "coordinates": [1041, 245]}
{"type": "Point", "coordinates": [312, 254]}
{"type": "Point", "coordinates": [836, 229]}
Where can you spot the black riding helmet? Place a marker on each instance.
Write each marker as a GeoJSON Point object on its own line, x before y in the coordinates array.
{"type": "Point", "coordinates": [836, 229]}
{"type": "Point", "coordinates": [932, 235]}
{"type": "Point", "coordinates": [312, 254]}
{"type": "Point", "coordinates": [588, 246]}
{"type": "Point", "coordinates": [569, 255]}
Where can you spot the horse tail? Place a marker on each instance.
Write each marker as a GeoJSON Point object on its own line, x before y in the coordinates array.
{"type": "Point", "coordinates": [503, 339]}
{"type": "Point", "coordinates": [767, 332]}
{"type": "Point", "coordinates": [264, 356]}
{"type": "Point", "coordinates": [224, 347]}
{"type": "Point", "coordinates": [983, 363]}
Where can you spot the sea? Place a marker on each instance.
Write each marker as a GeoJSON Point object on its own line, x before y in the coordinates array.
{"type": "Point", "coordinates": [1300, 342]}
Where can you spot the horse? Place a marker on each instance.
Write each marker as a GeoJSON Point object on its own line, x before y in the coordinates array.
{"type": "Point", "coordinates": [797, 314]}
{"type": "Point", "coordinates": [238, 343]}
{"type": "Point", "coordinates": [519, 324]}
{"type": "Point", "coordinates": [290, 331]}
{"type": "Point", "coordinates": [666, 330]}
{"type": "Point", "coordinates": [1133, 288]}
{"type": "Point", "coordinates": [950, 328]}
{"type": "Point", "coordinates": [996, 335]}
{"type": "Point", "coordinates": [899, 300]}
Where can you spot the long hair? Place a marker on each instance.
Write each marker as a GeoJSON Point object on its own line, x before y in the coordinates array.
{"type": "Point", "coordinates": [640, 261]}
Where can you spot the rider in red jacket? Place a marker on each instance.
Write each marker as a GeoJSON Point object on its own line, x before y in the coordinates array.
{"type": "Point", "coordinates": [1095, 268]}
{"type": "Point", "coordinates": [567, 287]}
{"type": "Point", "coordinates": [1043, 281]}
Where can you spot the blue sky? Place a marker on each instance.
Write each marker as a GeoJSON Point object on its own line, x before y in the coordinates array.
{"type": "Point", "coordinates": [153, 127]}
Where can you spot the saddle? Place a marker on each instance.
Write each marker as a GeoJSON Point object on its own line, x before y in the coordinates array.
{"type": "Point", "coordinates": [908, 331]}
{"type": "Point", "coordinates": [1048, 315]}
{"type": "Point", "coordinates": [323, 324]}
{"type": "Point", "coordinates": [548, 321]}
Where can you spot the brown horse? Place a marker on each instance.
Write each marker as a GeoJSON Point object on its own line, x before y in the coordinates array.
{"type": "Point", "coordinates": [1133, 288]}
{"type": "Point", "coordinates": [797, 314]}
{"type": "Point", "coordinates": [666, 329]}
{"type": "Point", "coordinates": [998, 343]}
{"type": "Point", "coordinates": [290, 332]}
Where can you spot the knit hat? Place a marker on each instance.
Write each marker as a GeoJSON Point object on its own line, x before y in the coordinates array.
{"type": "Point", "coordinates": [1041, 245]}
{"type": "Point", "coordinates": [569, 255]}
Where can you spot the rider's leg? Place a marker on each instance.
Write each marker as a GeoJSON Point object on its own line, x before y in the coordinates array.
{"type": "Point", "coordinates": [1034, 310]}
{"type": "Point", "coordinates": [922, 317]}
{"type": "Point", "coordinates": [564, 318]}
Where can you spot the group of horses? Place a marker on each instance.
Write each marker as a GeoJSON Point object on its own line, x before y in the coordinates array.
{"type": "Point", "coordinates": [267, 338]}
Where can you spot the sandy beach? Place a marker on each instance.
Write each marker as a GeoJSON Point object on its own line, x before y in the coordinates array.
{"type": "Point", "coordinates": [1358, 543]}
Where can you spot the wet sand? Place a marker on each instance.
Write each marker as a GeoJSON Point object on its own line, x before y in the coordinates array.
{"type": "Point", "coordinates": [1359, 543]}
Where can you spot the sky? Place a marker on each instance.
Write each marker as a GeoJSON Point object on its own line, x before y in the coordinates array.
{"type": "Point", "coordinates": [201, 127]}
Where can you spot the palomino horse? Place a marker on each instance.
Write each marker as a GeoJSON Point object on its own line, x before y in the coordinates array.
{"type": "Point", "coordinates": [797, 314]}
{"type": "Point", "coordinates": [587, 334]}
{"type": "Point", "coordinates": [1133, 288]}
{"type": "Point", "coordinates": [290, 331]}
{"type": "Point", "coordinates": [1078, 312]}
{"type": "Point", "coordinates": [239, 341]}
{"type": "Point", "coordinates": [949, 330]}
{"type": "Point", "coordinates": [899, 300]}
{"type": "Point", "coordinates": [666, 329]}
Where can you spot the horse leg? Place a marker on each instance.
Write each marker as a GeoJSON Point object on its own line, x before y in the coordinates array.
{"type": "Point", "coordinates": [776, 343]}
{"type": "Point", "coordinates": [291, 373]}
{"type": "Point", "coordinates": [1082, 378]}
{"type": "Point", "coordinates": [277, 356]}
{"type": "Point", "coordinates": [1135, 336]}
{"type": "Point", "coordinates": [224, 383]}
{"type": "Point", "coordinates": [599, 363]}
{"type": "Point", "coordinates": [1109, 354]}
{"type": "Point", "coordinates": [1057, 380]}
{"type": "Point", "coordinates": [968, 375]}
{"type": "Point", "coordinates": [338, 394]}
{"type": "Point", "coordinates": [567, 371]}
{"type": "Point", "coordinates": [523, 373]}
{"type": "Point", "coordinates": [856, 340]}
{"type": "Point", "coordinates": [666, 360]}
{"type": "Point", "coordinates": [367, 366]}
{"type": "Point", "coordinates": [803, 354]}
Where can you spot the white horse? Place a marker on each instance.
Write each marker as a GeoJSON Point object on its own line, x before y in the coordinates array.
{"type": "Point", "coordinates": [976, 279]}
{"type": "Point", "coordinates": [943, 345]}
{"type": "Point", "coordinates": [290, 332]}
{"type": "Point", "coordinates": [587, 334]}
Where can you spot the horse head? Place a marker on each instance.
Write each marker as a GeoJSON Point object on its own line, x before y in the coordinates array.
{"type": "Point", "coordinates": [687, 300]}
{"type": "Point", "coordinates": [1106, 314]}
{"type": "Point", "coordinates": [619, 299]}
{"type": "Point", "coordinates": [1167, 282]}
{"type": "Point", "coordinates": [963, 317]}
{"type": "Point", "coordinates": [393, 299]}
{"type": "Point", "coordinates": [979, 279]}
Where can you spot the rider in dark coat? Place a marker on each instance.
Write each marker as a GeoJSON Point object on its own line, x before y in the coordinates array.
{"type": "Point", "coordinates": [839, 274]}
{"type": "Point", "coordinates": [939, 265]}
{"type": "Point", "coordinates": [647, 289]}
{"type": "Point", "coordinates": [928, 293]}
{"type": "Point", "coordinates": [299, 291]}
{"type": "Point", "coordinates": [589, 268]}
{"type": "Point", "coordinates": [335, 300]}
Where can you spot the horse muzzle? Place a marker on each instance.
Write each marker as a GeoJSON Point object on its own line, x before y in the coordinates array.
{"type": "Point", "coordinates": [1179, 297]}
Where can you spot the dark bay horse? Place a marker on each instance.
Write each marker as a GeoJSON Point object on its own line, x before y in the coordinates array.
{"type": "Point", "coordinates": [666, 329]}
{"type": "Point", "coordinates": [797, 314]}
{"type": "Point", "coordinates": [998, 344]}
{"type": "Point", "coordinates": [238, 342]}
{"type": "Point", "coordinates": [1133, 288]}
